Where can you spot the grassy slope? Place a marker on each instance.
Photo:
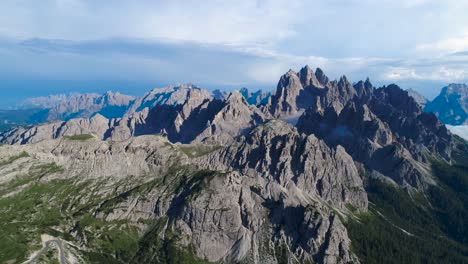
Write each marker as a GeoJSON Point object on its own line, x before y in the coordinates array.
{"type": "Point", "coordinates": [60, 206]}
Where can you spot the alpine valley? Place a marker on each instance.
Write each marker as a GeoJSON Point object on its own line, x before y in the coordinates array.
{"type": "Point", "coordinates": [319, 171]}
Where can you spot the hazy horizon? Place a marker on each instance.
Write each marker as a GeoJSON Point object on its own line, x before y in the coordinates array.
{"type": "Point", "coordinates": [59, 46]}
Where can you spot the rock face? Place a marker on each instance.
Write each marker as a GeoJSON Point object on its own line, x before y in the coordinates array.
{"type": "Point", "coordinates": [172, 95]}
{"type": "Point", "coordinates": [236, 117]}
{"type": "Point", "coordinates": [97, 125]}
{"type": "Point", "coordinates": [419, 98]}
{"type": "Point", "coordinates": [224, 180]}
{"type": "Point", "coordinates": [387, 131]}
{"type": "Point", "coordinates": [183, 115]}
{"type": "Point", "coordinates": [297, 92]}
{"type": "Point", "coordinates": [451, 106]}
{"type": "Point", "coordinates": [195, 120]}
{"type": "Point", "coordinates": [277, 152]}
{"type": "Point", "coordinates": [224, 211]}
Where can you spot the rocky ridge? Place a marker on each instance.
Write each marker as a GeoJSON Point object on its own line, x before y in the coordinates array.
{"type": "Point", "coordinates": [226, 180]}
{"type": "Point", "coordinates": [387, 131]}
{"type": "Point", "coordinates": [297, 92]}
{"type": "Point", "coordinates": [371, 124]}
{"type": "Point", "coordinates": [419, 98]}
{"type": "Point", "coordinates": [220, 212]}
{"type": "Point", "coordinates": [65, 107]}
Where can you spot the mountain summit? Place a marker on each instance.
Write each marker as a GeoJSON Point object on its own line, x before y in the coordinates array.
{"type": "Point", "coordinates": [322, 171]}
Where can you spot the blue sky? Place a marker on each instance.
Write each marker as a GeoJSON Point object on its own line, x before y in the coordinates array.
{"type": "Point", "coordinates": [54, 46]}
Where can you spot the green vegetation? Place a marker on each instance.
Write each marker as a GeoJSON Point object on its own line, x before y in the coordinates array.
{"type": "Point", "coordinates": [81, 137]}
{"type": "Point", "coordinates": [49, 168]}
{"type": "Point", "coordinates": [24, 217]}
{"type": "Point", "coordinates": [351, 208]}
{"type": "Point", "coordinates": [404, 228]}
{"type": "Point", "coordinates": [30, 207]}
{"type": "Point", "coordinates": [282, 253]}
{"type": "Point", "coordinates": [121, 240]}
{"type": "Point", "coordinates": [14, 158]}
{"type": "Point", "coordinates": [197, 151]}
{"type": "Point", "coordinates": [153, 249]}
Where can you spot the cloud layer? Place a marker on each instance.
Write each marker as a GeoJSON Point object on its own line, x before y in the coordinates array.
{"type": "Point", "coordinates": [417, 43]}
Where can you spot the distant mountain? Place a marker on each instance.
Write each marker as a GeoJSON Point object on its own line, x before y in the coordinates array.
{"type": "Point", "coordinates": [323, 171]}
{"type": "Point", "coordinates": [110, 105]}
{"type": "Point", "coordinates": [385, 129]}
{"type": "Point", "coordinates": [65, 107]}
{"type": "Point", "coordinates": [451, 105]}
{"type": "Point", "coordinates": [255, 98]}
{"type": "Point", "coordinates": [419, 98]}
{"type": "Point", "coordinates": [12, 118]}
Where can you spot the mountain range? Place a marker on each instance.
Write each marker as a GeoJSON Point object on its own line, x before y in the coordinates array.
{"type": "Point", "coordinates": [320, 171]}
{"type": "Point", "coordinates": [451, 105]}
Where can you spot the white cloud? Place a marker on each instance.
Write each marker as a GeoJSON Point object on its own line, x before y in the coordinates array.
{"type": "Point", "coordinates": [259, 40]}
{"type": "Point", "coordinates": [425, 73]}
{"type": "Point", "coordinates": [400, 73]}
{"type": "Point", "coordinates": [445, 46]}
{"type": "Point", "coordinates": [210, 21]}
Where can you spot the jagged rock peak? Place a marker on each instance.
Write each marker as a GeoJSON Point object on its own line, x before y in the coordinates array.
{"type": "Point", "coordinates": [236, 97]}
{"type": "Point", "coordinates": [291, 72]}
{"type": "Point", "coordinates": [399, 99]}
{"type": "Point", "coordinates": [287, 91]}
{"type": "Point", "coordinates": [321, 77]}
{"type": "Point", "coordinates": [170, 95]}
{"type": "Point", "coordinates": [343, 80]}
{"type": "Point", "coordinates": [234, 118]}
{"type": "Point", "coordinates": [364, 88]}
{"type": "Point", "coordinates": [307, 77]}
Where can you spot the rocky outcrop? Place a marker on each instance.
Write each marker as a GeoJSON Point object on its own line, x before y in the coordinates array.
{"type": "Point", "coordinates": [287, 93]}
{"type": "Point", "coordinates": [235, 117]}
{"type": "Point", "coordinates": [387, 132]}
{"type": "Point", "coordinates": [97, 125]}
{"type": "Point", "coordinates": [277, 152]}
{"type": "Point", "coordinates": [364, 89]}
{"type": "Point", "coordinates": [171, 96]}
{"type": "Point", "coordinates": [217, 211]}
{"type": "Point", "coordinates": [183, 115]}
{"type": "Point", "coordinates": [224, 180]}
{"type": "Point", "coordinates": [297, 92]}
{"type": "Point", "coordinates": [419, 98]}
